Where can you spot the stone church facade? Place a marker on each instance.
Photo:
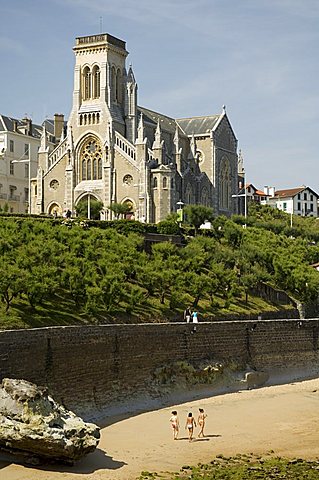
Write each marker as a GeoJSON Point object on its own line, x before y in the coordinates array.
{"type": "Point", "coordinates": [113, 150]}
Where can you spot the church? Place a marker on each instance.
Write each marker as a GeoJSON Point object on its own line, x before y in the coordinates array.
{"type": "Point", "coordinates": [115, 151]}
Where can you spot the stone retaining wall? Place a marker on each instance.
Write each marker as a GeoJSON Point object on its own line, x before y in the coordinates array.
{"type": "Point", "coordinates": [93, 366]}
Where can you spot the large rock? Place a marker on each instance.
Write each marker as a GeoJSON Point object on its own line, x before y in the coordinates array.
{"type": "Point", "coordinates": [32, 423]}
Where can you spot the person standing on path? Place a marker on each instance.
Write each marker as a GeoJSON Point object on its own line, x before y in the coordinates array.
{"type": "Point", "coordinates": [201, 422]}
{"type": "Point", "coordinates": [187, 314]}
{"type": "Point", "coordinates": [195, 319]}
{"type": "Point", "coordinates": [190, 424]}
{"type": "Point", "coordinates": [175, 424]}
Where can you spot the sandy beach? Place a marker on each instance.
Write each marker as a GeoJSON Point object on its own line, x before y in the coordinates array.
{"type": "Point", "coordinates": [281, 418]}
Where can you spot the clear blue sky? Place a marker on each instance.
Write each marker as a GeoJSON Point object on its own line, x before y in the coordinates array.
{"type": "Point", "coordinates": [258, 57]}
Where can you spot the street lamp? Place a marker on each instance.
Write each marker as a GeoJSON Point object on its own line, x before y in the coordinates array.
{"type": "Point", "coordinates": [180, 205]}
{"type": "Point", "coordinates": [245, 204]}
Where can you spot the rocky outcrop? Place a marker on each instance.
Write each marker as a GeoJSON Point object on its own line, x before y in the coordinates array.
{"type": "Point", "coordinates": [32, 423]}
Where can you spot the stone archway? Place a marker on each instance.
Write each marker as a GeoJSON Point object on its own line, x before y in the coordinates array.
{"type": "Point", "coordinates": [55, 209]}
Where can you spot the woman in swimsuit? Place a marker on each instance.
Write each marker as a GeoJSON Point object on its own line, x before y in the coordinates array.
{"type": "Point", "coordinates": [190, 424]}
{"type": "Point", "coordinates": [175, 424]}
{"type": "Point", "coordinates": [201, 422]}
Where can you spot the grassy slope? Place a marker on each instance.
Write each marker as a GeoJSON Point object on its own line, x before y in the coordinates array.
{"type": "Point", "coordinates": [60, 310]}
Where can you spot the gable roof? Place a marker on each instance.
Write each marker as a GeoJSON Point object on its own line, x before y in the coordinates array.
{"type": "Point", "coordinates": [166, 123]}
{"type": "Point", "coordinates": [198, 125]}
{"type": "Point", "coordinates": [291, 192]}
{"type": "Point", "coordinates": [189, 126]}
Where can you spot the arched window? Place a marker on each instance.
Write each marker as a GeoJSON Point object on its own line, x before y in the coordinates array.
{"type": "Point", "coordinates": [118, 86]}
{"type": "Point", "coordinates": [205, 197]}
{"type": "Point", "coordinates": [155, 182]}
{"type": "Point", "coordinates": [86, 82]}
{"type": "Point", "coordinates": [164, 182]}
{"type": "Point", "coordinates": [96, 82]}
{"type": "Point", "coordinates": [189, 195]}
{"type": "Point", "coordinates": [91, 160]}
{"type": "Point", "coordinates": [84, 169]}
{"type": "Point", "coordinates": [224, 185]}
{"type": "Point", "coordinates": [113, 94]}
{"type": "Point", "coordinates": [99, 168]}
{"type": "Point", "coordinates": [94, 168]}
{"type": "Point", "coordinates": [89, 171]}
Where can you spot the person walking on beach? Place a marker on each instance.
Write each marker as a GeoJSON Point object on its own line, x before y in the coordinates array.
{"type": "Point", "coordinates": [201, 422]}
{"type": "Point", "coordinates": [175, 424]}
{"type": "Point", "coordinates": [190, 424]}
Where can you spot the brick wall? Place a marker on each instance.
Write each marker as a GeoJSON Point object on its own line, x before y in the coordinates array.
{"type": "Point", "coordinates": [91, 367]}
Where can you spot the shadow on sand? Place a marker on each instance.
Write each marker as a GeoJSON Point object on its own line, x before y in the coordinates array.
{"type": "Point", "coordinates": [97, 460]}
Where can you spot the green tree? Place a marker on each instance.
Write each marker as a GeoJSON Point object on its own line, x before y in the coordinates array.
{"type": "Point", "coordinates": [120, 209]}
{"type": "Point", "coordinates": [196, 215]}
{"type": "Point", "coordinates": [10, 281]}
{"type": "Point", "coordinates": [95, 208]}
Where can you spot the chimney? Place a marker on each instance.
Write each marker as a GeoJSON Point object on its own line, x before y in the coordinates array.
{"type": "Point", "coordinates": [15, 125]}
{"type": "Point", "coordinates": [58, 125]}
{"type": "Point", "coordinates": [27, 126]}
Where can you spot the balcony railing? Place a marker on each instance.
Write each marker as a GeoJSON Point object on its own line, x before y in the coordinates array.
{"type": "Point", "coordinates": [3, 196]}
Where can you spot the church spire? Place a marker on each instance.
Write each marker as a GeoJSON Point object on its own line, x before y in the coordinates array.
{"type": "Point", "coordinates": [177, 141]}
{"type": "Point", "coordinates": [44, 140]}
{"type": "Point", "coordinates": [140, 130]}
{"type": "Point", "coordinates": [158, 142]}
{"type": "Point", "coordinates": [193, 145]}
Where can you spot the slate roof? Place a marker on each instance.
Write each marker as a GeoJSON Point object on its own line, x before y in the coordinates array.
{"type": "Point", "coordinates": [166, 123]}
{"type": "Point", "coordinates": [7, 125]}
{"type": "Point", "coordinates": [188, 126]}
{"type": "Point", "coordinates": [198, 125]}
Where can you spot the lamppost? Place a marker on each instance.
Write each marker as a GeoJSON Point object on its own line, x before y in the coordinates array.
{"type": "Point", "coordinates": [245, 204]}
{"type": "Point", "coordinates": [180, 205]}
{"type": "Point", "coordinates": [28, 161]}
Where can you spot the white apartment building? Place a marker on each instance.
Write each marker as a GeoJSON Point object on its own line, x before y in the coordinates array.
{"type": "Point", "coordinates": [302, 201]}
{"type": "Point", "coordinates": [19, 145]}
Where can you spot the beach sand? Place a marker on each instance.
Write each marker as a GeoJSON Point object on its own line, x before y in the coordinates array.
{"type": "Point", "coordinates": [282, 418]}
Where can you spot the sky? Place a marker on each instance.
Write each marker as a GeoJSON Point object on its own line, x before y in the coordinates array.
{"type": "Point", "coordinates": [259, 58]}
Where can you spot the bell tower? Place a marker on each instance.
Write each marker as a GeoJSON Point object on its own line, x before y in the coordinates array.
{"type": "Point", "coordinates": [99, 84]}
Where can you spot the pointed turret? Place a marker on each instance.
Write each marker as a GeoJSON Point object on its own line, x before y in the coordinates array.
{"type": "Point", "coordinates": [178, 150]}
{"type": "Point", "coordinates": [141, 131]}
{"type": "Point", "coordinates": [158, 142]}
{"type": "Point", "coordinates": [131, 106]}
{"type": "Point", "coordinates": [44, 140]}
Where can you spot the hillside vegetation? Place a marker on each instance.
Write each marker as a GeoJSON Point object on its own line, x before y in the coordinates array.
{"type": "Point", "coordinates": [55, 272]}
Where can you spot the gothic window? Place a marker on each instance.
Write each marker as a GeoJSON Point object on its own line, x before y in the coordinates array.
{"type": "Point", "coordinates": [113, 83]}
{"type": "Point", "coordinates": [94, 167]}
{"type": "Point", "coordinates": [91, 160]}
{"type": "Point", "coordinates": [88, 169]}
{"type": "Point", "coordinates": [96, 82]}
{"type": "Point", "coordinates": [99, 168]}
{"type": "Point", "coordinates": [118, 86]}
{"type": "Point", "coordinates": [224, 186]}
{"type": "Point", "coordinates": [86, 81]}
{"type": "Point", "coordinates": [155, 182]}
{"type": "Point", "coordinates": [189, 195]}
{"type": "Point", "coordinates": [164, 182]}
{"type": "Point", "coordinates": [205, 197]}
